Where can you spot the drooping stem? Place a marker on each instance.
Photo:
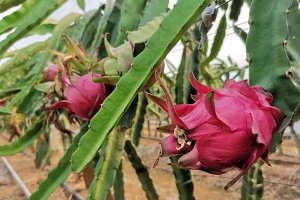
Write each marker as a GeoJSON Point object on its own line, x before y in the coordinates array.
{"type": "Point", "coordinates": [140, 118]}
{"type": "Point", "coordinates": [141, 170]}
{"type": "Point", "coordinates": [119, 192]}
{"type": "Point", "coordinates": [253, 183]}
{"type": "Point", "coordinates": [296, 138]}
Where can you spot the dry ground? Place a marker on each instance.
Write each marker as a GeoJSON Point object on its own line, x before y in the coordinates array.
{"type": "Point", "coordinates": [282, 180]}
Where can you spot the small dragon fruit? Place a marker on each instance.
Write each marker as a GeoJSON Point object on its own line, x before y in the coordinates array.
{"type": "Point", "coordinates": [83, 96]}
{"type": "Point", "coordinates": [51, 72]}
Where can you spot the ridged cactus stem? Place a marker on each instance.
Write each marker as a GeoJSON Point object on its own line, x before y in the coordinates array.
{"type": "Point", "coordinates": [111, 157]}
{"type": "Point", "coordinates": [107, 26]}
{"type": "Point", "coordinates": [130, 18]}
{"type": "Point", "coordinates": [119, 192]}
{"type": "Point", "coordinates": [141, 170]}
{"type": "Point", "coordinates": [183, 178]}
{"type": "Point", "coordinates": [140, 118]}
{"type": "Point", "coordinates": [186, 82]}
{"type": "Point", "coordinates": [195, 63]}
{"type": "Point", "coordinates": [253, 183]}
{"type": "Point", "coordinates": [148, 126]}
{"type": "Point", "coordinates": [179, 98]}
{"type": "Point", "coordinates": [184, 182]}
{"type": "Point", "coordinates": [275, 64]}
{"type": "Point", "coordinates": [296, 138]}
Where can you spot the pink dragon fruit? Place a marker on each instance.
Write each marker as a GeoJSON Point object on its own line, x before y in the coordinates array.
{"type": "Point", "coordinates": [83, 96]}
{"type": "Point", "coordinates": [3, 103]}
{"type": "Point", "coordinates": [223, 130]}
{"type": "Point", "coordinates": [51, 72]}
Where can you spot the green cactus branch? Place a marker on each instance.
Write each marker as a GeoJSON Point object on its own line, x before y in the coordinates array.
{"type": "Point", "coordinates": [23, 55]}
{"type": "Point", "coordinates": [107, 25]}
{"type": "Point", "coordinates": [131, 13]}
{"type": "Point", "coordinates": [5, 111]}
{"type": "Point", "coordinates": [183, 177]}
{"type": "Point", "coordinates": [7, 4]}
{"type": "Point", "coordinates": [30, 20]}
{"type": "Point", "coordinates": [119, 192]}
{"type": "Point", "coordinates": [27, 139]}
{"type": "Point", "coordinates": [293, 42]}
{"type": "Point", "coordinates": [179, 98]}
{"type": "Point", "coordinates": [42, 57]}
{"type": "Point", "coordinates": [168, 34]}
{"type": "Point", "coordinates": [195, 62]}
{"type": "Point", "coordinates": [253, 183]}
{"type": "Point", "coordinates": [154, 8]}
{"type": "Point", "coordinates": [60, 173]}
{"type": "Point", "coordinates": [137, 128]}
{"type": "Point", "coordinates": [105, 177]}
{"type": "Point", "coordinates": [141, 170]}
{"type": "Point", "coordinates": [235, 9]}
{"type": "Point", "coordinates": [100, 25]}
{"type": "Point", "coordinates": [77, 29]}
{"type": "Point", "coordinates": [268, 64]}
{"type": "Point", "coordinates": [267, 57]}
{"type": "Point", "coordinates": [217, 44]}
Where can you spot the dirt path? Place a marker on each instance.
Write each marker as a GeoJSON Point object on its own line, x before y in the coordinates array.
{"type": "Point", "coordinates": [282, 181]}
{"type": "Point", "coordinates": [31, 177]}
{"type": "Point", "coordinates": [8, 185]}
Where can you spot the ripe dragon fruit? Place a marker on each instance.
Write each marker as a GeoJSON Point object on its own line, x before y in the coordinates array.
{"type": "Point", "coordinates": [225, 129]}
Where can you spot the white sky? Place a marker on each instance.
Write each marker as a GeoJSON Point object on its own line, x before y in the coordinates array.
{"type": "Point", "coordinates": [232, 45]}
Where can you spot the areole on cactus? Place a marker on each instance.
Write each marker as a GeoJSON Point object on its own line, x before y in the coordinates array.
{"type": "Point", "coordinates": [223, 130]}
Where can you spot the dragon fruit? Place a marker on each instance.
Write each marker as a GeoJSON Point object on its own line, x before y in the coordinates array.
{"type": "Point", "coordinates": [83, 96]}
{"type": "Point", "coordinates": [225, 129]}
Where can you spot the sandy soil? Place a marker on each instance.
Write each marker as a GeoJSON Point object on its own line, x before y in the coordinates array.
{"type": "Point", "coordinates": [282, 180]}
